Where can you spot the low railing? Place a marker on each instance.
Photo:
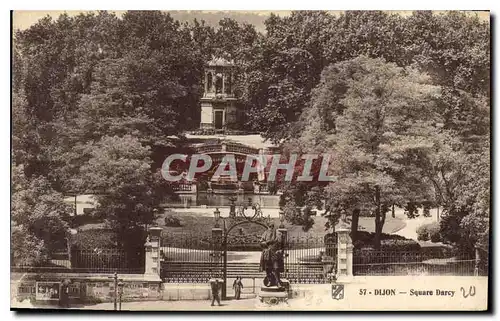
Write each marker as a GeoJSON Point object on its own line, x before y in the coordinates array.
{"type": "Point", "coordinates": [241, 149]}
{"type": "Point", "coordinates": [229, 148]}
{"type": "Point", "coordinates": [182, 187]}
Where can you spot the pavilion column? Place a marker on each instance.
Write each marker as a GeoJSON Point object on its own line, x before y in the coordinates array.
{"type": "Point", "coordinates": [223, 82]}
{"type": "Point", "coordinates": [206, 82]}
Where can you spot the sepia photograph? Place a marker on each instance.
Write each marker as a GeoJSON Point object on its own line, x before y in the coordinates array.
{"type": "Point", "coordinates": [208, 160]}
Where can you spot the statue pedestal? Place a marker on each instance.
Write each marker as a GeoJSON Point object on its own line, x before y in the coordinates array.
{"type": "Point", "coordinates": [274, 295]}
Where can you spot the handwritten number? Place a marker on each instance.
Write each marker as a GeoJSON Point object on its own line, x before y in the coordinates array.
{"type": "Point", "coordinates": [472, 291]}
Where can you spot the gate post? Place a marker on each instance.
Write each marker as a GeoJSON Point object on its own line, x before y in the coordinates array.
{"type": "Point", "coordinates": [152, 256]}
{"type": "Point", "coordinates": [344, 253]}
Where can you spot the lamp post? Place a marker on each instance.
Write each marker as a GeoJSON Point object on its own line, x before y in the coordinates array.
{"type": "Point", "coordinates": [232, 206]}
{"type": "Point", "coordinates": [120, 293]}
{"type": "Point", "coordinates": [217, 216]}
{"type": "Point", "coordinates": [223, 237]}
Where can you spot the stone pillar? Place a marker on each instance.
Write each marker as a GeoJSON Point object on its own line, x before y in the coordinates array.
{"type": "Point", "coordinates": [350, 248]}
{"type": "Point", "coordinates": [344, 253]}
{"type": "Point", "coordinates": [152, 259]}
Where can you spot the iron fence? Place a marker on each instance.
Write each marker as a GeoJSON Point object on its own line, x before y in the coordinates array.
{"type": "Point", "coordinates": [311, 259]}
{"type": "Point", "coordinates": [370, 262]}
{"type": "Point", "coordinates": [189, 259]}
{"type": "Point", "coordinates": [89, 261]}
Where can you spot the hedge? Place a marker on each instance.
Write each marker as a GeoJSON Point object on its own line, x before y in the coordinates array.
{"type": "Point", "coordinates": [366, 239]}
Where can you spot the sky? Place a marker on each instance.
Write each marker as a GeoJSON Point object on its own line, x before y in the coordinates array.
{"type": "Point", "coordinates": [24, 19]}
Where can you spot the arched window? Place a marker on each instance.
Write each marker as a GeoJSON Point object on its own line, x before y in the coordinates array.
{"type": "Point", "coordinates": [209, 82]}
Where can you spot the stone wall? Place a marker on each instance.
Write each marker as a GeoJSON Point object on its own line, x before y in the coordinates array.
{"type": "Point", "coordinates": [86, 288]}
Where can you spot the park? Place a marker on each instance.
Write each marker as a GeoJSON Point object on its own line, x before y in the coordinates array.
{"type": "Point", "coordinates": [166, 162]}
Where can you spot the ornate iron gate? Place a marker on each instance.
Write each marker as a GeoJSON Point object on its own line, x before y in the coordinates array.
{"type": "Point", "coordinates": [199, 258]}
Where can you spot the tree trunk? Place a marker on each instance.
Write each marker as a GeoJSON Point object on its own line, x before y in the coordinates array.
{"type": "Point", "coordinates": [393, 212]}
{"type": "Point", "coordinates": [354, 223]}
{"type": "Point", "coordinates": [68, 248]}
{"type": "Point", "coordinates": [378, 219]}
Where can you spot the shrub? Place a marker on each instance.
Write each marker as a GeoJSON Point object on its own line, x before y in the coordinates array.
{"type": "Point", "coordinates": [89, 216]}
{"type": "Point", "coordinates": [393, 248]}
{"type": "Point", "coordinates": [365, 239]}
{"type": "Point", "coordinates": [172, 221]}
{"type": "Point", "coordinates": [391, 251]}
{"type": "Point", "coordinates": [422, 233]}
{"type": "Point", "coordinates": [429, 232]}
{"type": "Point", "coordinates": [91, 239]}
{"type": "Point", "coordinates": [399, 245]}
{"type": "Point", "coordinates": [435, 237]}
{"type": "Point", "coordinates": [27, 249]}
{"type": "Point", "coordinates": [99, 249]}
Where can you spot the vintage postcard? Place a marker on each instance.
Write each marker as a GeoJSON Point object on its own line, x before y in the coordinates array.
{"type": "Point", "coordinates": [250, 160]}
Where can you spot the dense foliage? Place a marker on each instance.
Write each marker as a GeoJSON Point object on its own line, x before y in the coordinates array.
{"type": "Point", "coordinates": [402, 101]}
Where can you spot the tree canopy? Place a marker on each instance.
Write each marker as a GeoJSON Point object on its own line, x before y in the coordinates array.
{"type": "Point", "coordinates": [401, 101]}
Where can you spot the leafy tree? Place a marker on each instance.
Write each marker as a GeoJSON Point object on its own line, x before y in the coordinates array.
{"type": "Point", "coordinates": [39, 218]}
{"type": "Point", "coordinates": [382, 120]}
{"type": "Point", "coordinates": [119, 171]}
{"type": "Point", "coordinates": [80, 81]}
{"type": "Point", "coordinates": [462, 185]}
{"type": "Point", "coordinates": [283, 72]}
{"type": "Point", "coordinates": [411, 210]}
{"type": "Point", "coordinates": [375, 34]}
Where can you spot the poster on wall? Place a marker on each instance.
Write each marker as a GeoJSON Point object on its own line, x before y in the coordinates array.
{"type": "Point", "coordinates": [47, 291]}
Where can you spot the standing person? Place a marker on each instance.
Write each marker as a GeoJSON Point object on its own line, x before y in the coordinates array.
{"type": "Point", "coordinates": [215, 291]}
{"type": "Point", "coordinates": [237, 286]}
{"type": "Point", "coordinates": [64, 294]}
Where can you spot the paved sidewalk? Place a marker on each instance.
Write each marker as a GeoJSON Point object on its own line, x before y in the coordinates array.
{"type": "Point", "coordinates": [202, 305]}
